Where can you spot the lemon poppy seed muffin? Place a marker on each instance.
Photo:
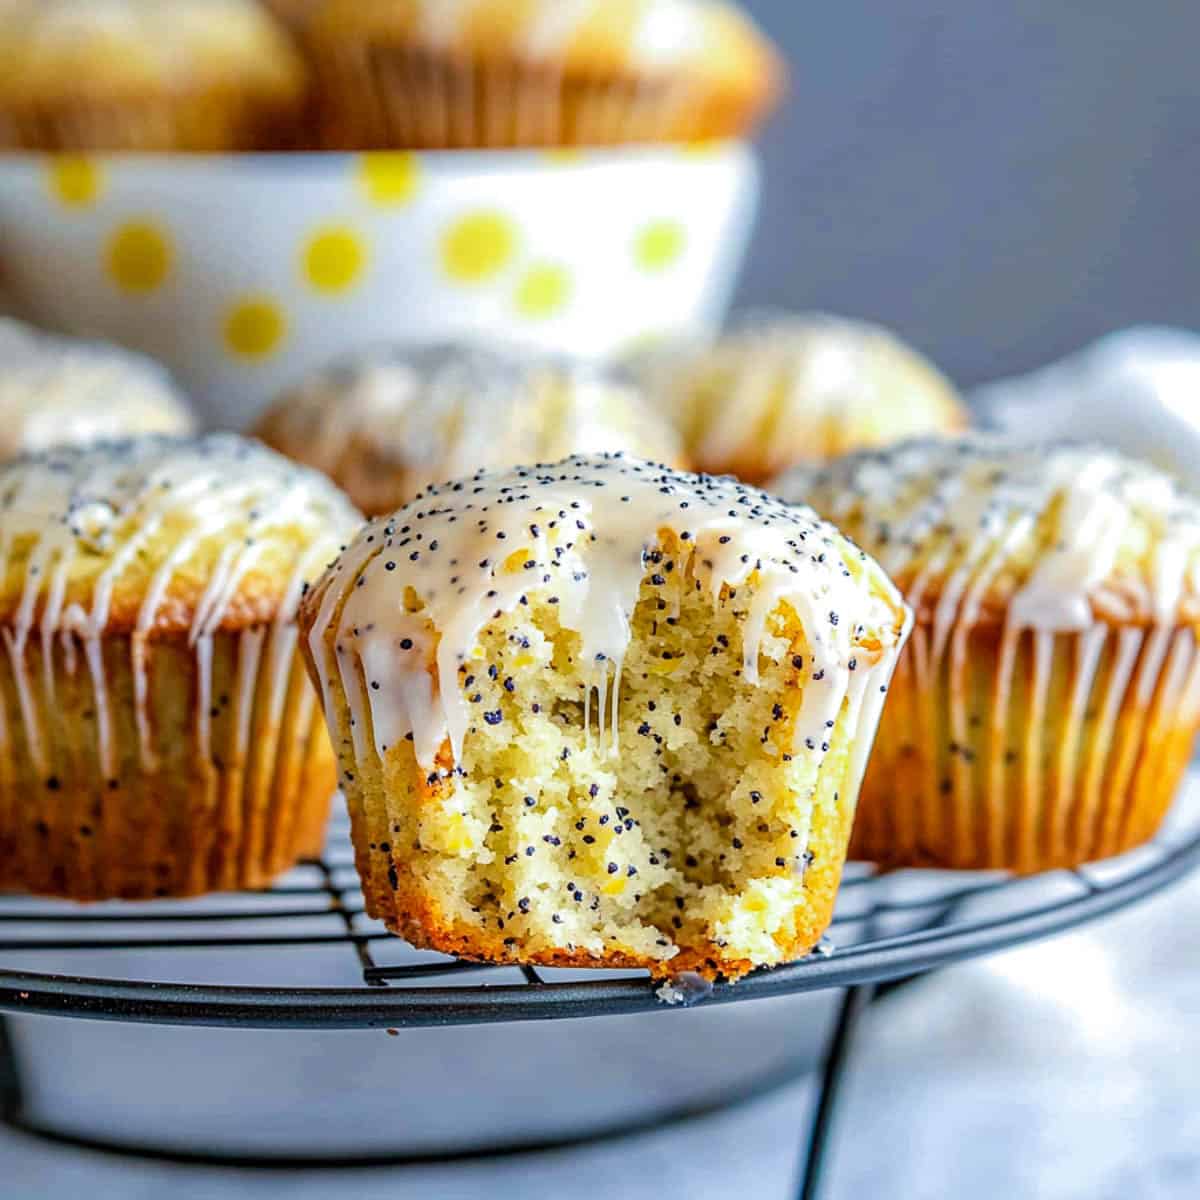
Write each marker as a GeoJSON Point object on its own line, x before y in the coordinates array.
{"type": "Point", "coordinates": [158, 734]}
{"type": "Point", "coordinates": [385, 425]}
{"type": "Point", "coordinates": [57, 391]}
{"type": "Point", "coordinates": [786, 388]}
{"type": "Point", "coordinates": [497, 73]}
{"type": "Point", "coordinates": [1044, 710]}
{"type": "Point", "coordinates": [602, 713]}
{"type": "Point", "coordinates": [147, 75]}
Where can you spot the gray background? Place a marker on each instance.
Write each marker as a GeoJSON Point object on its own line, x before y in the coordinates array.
{"type": "Point", "coordinates": [1001, 182]}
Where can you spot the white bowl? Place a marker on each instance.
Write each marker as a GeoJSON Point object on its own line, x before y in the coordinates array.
{"type": "Point", "coordinates": [243, 272]}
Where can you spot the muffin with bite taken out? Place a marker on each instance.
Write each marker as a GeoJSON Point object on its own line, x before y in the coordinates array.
{"type": "Point", "coordinates": [602, 713]}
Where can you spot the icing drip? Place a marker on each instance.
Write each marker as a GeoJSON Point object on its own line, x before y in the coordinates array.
{"type": "Point", "coordinates": [78, 527]}
{"type": "Point", "coordinates": [577, 535]}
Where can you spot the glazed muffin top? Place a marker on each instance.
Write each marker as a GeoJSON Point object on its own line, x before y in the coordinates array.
{"type": "Point", "coordinates": [108, 49]}
{"type": "Point", "coordinates": [415, 588]}
{"type": "Point", "coordinates": [592, 36]}
{"type": "Point", "coordinates": [57, 391]}
{"type": "Point", "coordinates": [988, 529]}
{"type": "Point", "coordinates": [161, 535]}
{"type": "Point", "coordinates": [784, 388]}
{"type": "Point", "coordinates": [386, 425]}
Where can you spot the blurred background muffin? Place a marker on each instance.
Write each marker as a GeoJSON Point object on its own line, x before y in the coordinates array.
{"type": "Point", "coordinates": [385, 425]}
{"type": "Point", "coordinates": [166, 740]}
{"type": "Point", "coordinates": [57, 391]}
{"type": "Point", "coordinates": [218, 75]}
{"type": "Point", "coordinates": [429, 74]}
{"type": "Point", "coordinates": [787, 388]}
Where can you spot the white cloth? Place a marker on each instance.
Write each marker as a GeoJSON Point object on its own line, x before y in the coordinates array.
{"type": "Point", "coordinates": [1137, 390]}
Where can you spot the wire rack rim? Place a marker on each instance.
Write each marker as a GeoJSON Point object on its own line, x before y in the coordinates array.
{"type": "Point", "coordinates": [367, 1007]}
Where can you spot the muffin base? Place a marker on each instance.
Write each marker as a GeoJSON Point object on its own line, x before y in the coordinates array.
{"type": "Point", "coordinates": [386, 97]}
{"type": "Point", "coordinates": [214, 122]}
{"type": "Point", "coordinates": [395, 896]}
{"type": "Point", "coordinates": [218, 776]}
{"type": "Point", "coordinates": [1029, 751]}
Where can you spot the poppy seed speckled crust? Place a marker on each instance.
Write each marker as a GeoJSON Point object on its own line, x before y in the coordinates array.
{"type": "Point", "coordinates": [148, 596]}
{"type": "Point", "coordinates": [1045, 707]}
{"type": "Point", "coordinates": [601, 699]}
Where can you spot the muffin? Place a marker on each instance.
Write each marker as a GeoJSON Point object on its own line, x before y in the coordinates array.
{"type": "Point", "coordinates": [1044, 711]}
{"type": "Point", "coordinates": [158, 733]}
{"type": "Point", "coordinates": [57, 391]}
{"type": "Point", "coordinates": [383, 426]}
{"type": "Point", "coordinates": [137, 75]}
{"type": "Point", "coordinates": [787, 388]}
{"type": "Point", "coordinates": [602, 713]}
{"type": "Point", "coordinates": [427, 74]}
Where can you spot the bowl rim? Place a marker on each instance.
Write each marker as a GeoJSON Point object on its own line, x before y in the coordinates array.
{"type": "Point", "coordinates": [558, 157]}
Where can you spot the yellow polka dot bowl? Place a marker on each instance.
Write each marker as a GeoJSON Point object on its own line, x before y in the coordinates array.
{"type": "Point", "coordinates": [244, 272]}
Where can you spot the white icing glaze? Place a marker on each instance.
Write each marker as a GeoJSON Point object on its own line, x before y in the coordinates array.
{"type": "Point", "coordinates": [668, 32]}
{"type": "Point", "coordinates": [1119, 531]}
{"type": "Point", "coordinates": [56, 391]}
{"type": "Point", "coordinates": [441, 22]}
{"type": "Point", "coordinates": [663, 33]}
{"type": "Point", "coordinates": [154, 504]}
{"type": "Point", "coordinates": [579, 532]}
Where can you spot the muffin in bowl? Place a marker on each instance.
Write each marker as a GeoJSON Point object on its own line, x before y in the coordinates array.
{"type": "Point", "coordinates": [782, 388]}
{"type": "Point", "coordinates": [158, 735]}
{"type": "Point", "coordinates": [385, 425]}
{"type": "Point", "coordinates": [57, 391]}
{"type": "Point", "coordinates": [1045, 707]}
{"type": "Point", "coordinates": [497, 73]}
{"type": "Point", "coordinates": [602, 713]}
{"type": "Point", "coordinates": [147, 75]}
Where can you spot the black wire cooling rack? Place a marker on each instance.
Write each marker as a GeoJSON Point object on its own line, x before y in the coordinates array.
{"type": "Point", "coordinates": [146, 962]}
{"type": "Point", "coordinates": [887, 926]}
